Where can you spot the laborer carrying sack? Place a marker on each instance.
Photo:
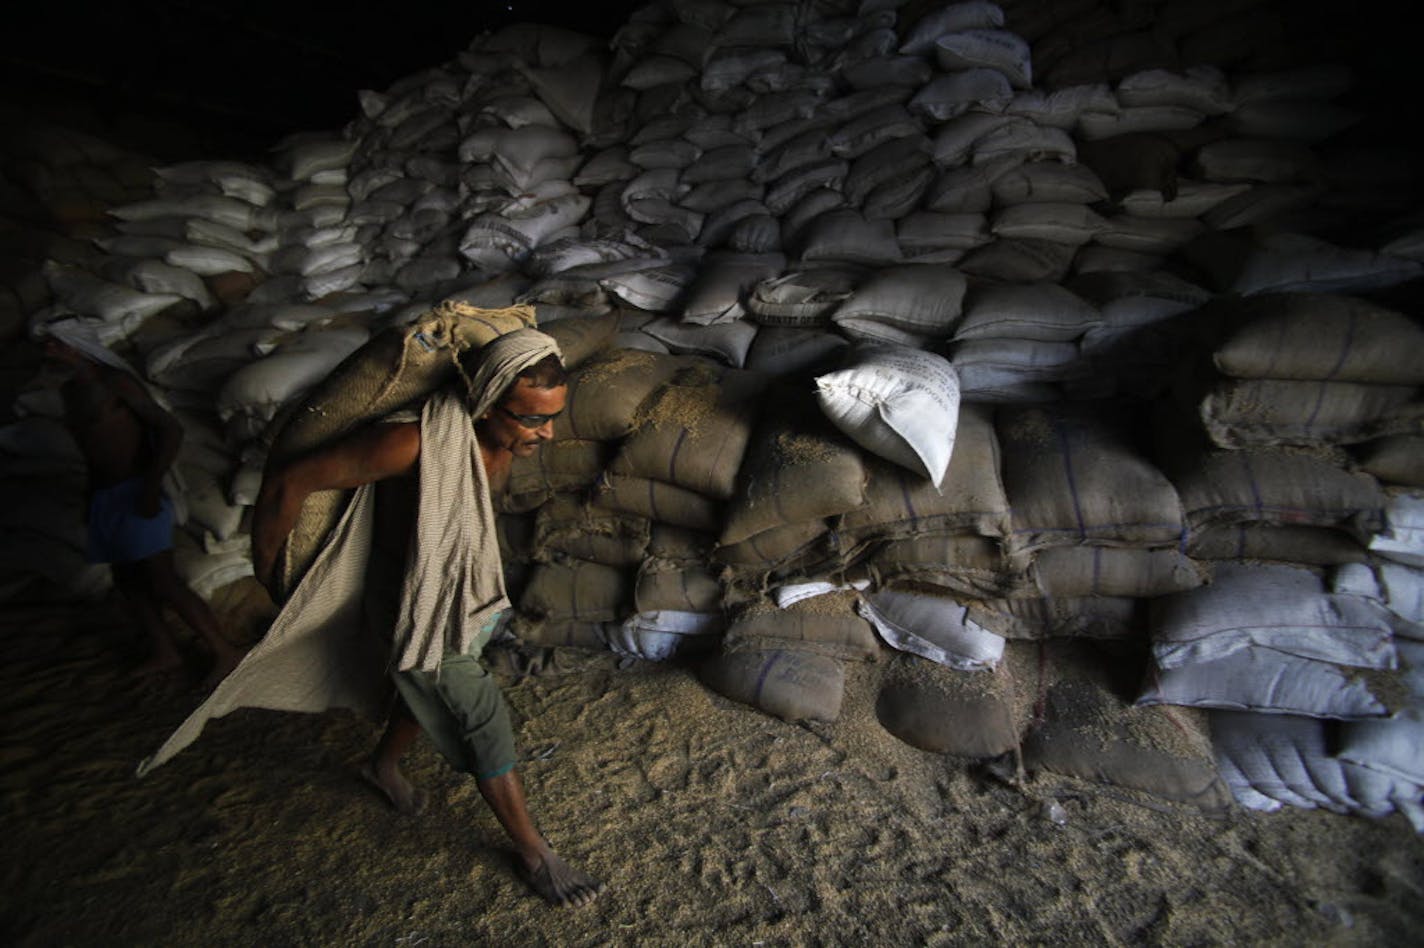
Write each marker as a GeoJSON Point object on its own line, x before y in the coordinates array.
{"type": "Point", "coordinates": [445, 589]}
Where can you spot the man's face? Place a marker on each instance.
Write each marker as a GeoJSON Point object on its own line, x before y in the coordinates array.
{"type": "Point", "coordinates": [506, 424]}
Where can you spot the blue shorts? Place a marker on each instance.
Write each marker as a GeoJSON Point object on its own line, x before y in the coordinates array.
{"type": "Point", "coordinates": [117, 534]}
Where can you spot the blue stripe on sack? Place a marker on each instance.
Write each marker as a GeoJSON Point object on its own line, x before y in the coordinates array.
{"type": "Point", "coordinates": [672, 456]}
{"type": "Point", "coordinates": [1346, 347]}
{"type": "Point", "coordinates": [765, 673]}
{"type": "Point", "coordinates": [1256, 501]}
{"type": "Point", "coordinates": [912, 514]}
{"type": "Point", "coordinates": [1068, 471]}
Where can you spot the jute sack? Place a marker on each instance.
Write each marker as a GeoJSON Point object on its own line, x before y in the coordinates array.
{"type": "Point", "coordinates": [1020, 260]}
{"type": "Point", "coordinates": [804, 298]}
{"type": "Point", "coordinates": [828, 625]}
{"type": "Point", "coordinates": [944, 564]}
{"type": "Point", "coordinates": [541, 633]}
{"type": "Point", "coordinates": [948, 711]}
{"type": "Point", "coordinates": [1072, 477]}
{"type": "Point", "coordinates": [920, 298]}
{"type": "Point", "coordinates": [789, 683]}
{"type": "Point", "coordinates": [971, 499]}
{"type": "Point", "coordinates": [1288, 543]}
{"type": "Point", "coordinates": [1086, 617]}
{"type": "Point", "coordinates": [666, 585]}
{"type": "Point", "coordinates": [1321, 337]}
{"type": "Point", "coordinates": [1260, 412]}
{"type": "Point", "coordinates": [605, 392]}
{"type": "Point", "coordinates": [1108, 571]}
{"type": "Point", "coordinates": [1274, 486]}
{"type": "Point", "coordinates": [1089, 731]}
{"type": "Point", "coordinates": [774, 547]}
{"type": "Point", "coordinates": [1043, 312]}
{"type": "Point", "coordinates": [1397, 459]}
{"type": "Point", "coordinates": [694, 430]}
{"type": "Point", "coordinates": [557, 466]}
{"type": "Point", "coordinates": [566, 527]}
{"type": "Point", "coordinates": [798, 467]}
{"type": "Point", "coordinates": [658, 501]}
{"type": "Point", "coordinates": [1284, 609]}
{"type": "Point", "coordinates": [580, 339]}
{"type": "Point", "coordinates": [395, 369]}
{"type": "Point", "coordinates": [575, 590]}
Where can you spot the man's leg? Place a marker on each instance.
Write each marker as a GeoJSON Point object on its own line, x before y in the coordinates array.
{"type": "Point", "coordinates": [383, 769]}
{"type": "Point", "coordinates": [167, 587]}
{"type": "Point", "coordinates": [163, 655]}
{"type": "Point", "coordinates": [541, 867]}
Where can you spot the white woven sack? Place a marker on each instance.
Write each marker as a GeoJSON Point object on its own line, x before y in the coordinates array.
{"type": "Point", "coordinates": [1268, 682]}
{"type": "Point", "coordinates": [945, 97]}
{"type": "Point", "coordinates": [952, 18]}
{"type": "Point", "coordinates": [1203, 88]}
{"type": "Point", "coordinates": [1280, 608]}
{"type": "Point", "coordinates": [267, 384]}
{"type": "Point", "coordinates": [1000, 50]}
{"type": "Point", "coordinates": [726, 342]}
{"type": "Point", "coordinates": [1036, 311]}
{"type": "Point", "coordinates": [1403, 537]}
{"type": "Point", "coordinates": [1073, 224]}
{"type": "Point", "coordinates": [1048, 182]}
{"type": "Point", "coordinates": [1062, 107]}
{"type": "Point", "coordinates": [1300, 263]}
{"type": "Point", "coordinates": [1096, 126]}
{"type": "Point", "coordinates": [932, 627]}
{"type": "Point", "coordinates": [1397, 586]}
{"type": "Point", "coordinates": [896, 402]}
{"type": "Point", "coordinates": [926, 299]}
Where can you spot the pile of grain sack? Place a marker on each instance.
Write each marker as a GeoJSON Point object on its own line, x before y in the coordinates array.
{"type": "Point", "coordinates": [1009, 346]}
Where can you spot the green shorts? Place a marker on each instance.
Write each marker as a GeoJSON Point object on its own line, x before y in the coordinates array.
{"type": "Point", "coordinates": [462, 709]}
{"type": "Point", "coordinates": [460, 706]}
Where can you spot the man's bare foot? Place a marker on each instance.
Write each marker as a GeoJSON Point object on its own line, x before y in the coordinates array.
{"type": "Point", "coordinates": [402, 794]}
{"type": "Point", "coordinates": [557, 881]}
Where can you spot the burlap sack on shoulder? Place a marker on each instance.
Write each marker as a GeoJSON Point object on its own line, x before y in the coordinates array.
{"type": "Point", "coordinates": [395, 369]}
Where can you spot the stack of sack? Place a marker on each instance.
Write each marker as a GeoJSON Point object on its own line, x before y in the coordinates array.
{"type": "Point", "coordinates": [874, 313]}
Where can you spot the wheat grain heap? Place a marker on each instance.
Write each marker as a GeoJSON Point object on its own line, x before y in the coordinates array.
{"type": "Point", "coordinates": [1020, 346]}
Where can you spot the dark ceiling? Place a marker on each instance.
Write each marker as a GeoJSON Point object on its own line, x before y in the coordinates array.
{"type": "Point", "coordinates": [206, 78]}
{"type": "Point", "coordinates": [237, 76]}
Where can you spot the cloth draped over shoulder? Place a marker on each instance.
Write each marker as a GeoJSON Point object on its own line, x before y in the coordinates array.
{"type": "Point", "coordinates": [317, 654]}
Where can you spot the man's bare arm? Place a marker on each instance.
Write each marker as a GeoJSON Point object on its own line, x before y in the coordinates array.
{"type": "Point", "coordinates": [368, 455]}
